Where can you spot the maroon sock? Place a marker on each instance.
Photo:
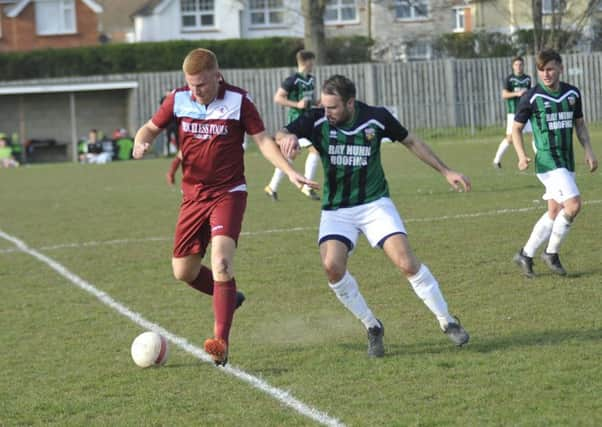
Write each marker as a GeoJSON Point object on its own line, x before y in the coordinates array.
{"type": "Point", "coordinates": [224, 303]}
{"type": "Point", "coordinates": [174, 166]}
{"type": "Point", "coordinates": [203, 282]}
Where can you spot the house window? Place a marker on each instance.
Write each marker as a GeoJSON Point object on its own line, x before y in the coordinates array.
{"type": "Point", "coordinates": [418, 51]}
{"type": "Point", "coordinates": [340, 12]}
{"type": "Point", "coordinates": [458, 20]}
{"type": "Point", "coordinates": [549, 7]}
{"type": "Point", "coordinates": [55, 17]}
{"type": "Point", "coordinates": [197, 14]}
{"type": "Point", "coordinates": [265, 13]}
{"type": "Point", "coordinates": [411, 9]}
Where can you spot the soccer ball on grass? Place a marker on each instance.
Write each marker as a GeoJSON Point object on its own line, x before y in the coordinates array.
{"type": "Point", "coordinates": [149, 349]}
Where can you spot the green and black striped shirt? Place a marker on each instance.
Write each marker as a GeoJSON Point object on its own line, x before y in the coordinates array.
{"type": "Point", "coordinates": [515, 83]}
{"type": "Point", "coordinates": [350, 153]}
{"type": "Point", "coordinates": [552, 116]}
{"type": "Point", "coordinates": [298, 86]}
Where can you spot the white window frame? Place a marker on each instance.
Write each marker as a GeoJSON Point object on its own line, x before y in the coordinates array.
{"type": "Point", "coordinates": [61, 26]}
{"type": "Point", "coordinates": [459, 13]}
{"type": "Point", "coordinates": [428, 54]}
{"type": "Point", "coordinates": [546, 7]}
{"type": "Point", "coordinates": [337, 6]}
{"type": "Point", "coordinates": [414, 15]}
{"type": "Point", "coordinates": [198, 14]}
{"type": "Point", "coordinates": [267, 10]}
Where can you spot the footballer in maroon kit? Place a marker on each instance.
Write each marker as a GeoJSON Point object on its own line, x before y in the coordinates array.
{"type": "Point", "coordinates": [213, 118]}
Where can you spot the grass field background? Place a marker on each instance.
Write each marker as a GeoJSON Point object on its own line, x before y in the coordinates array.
{"type": "Point", "coordinates": [533, 359]}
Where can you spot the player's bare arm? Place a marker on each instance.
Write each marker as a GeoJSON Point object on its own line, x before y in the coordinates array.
{"type": "Point", "coordinates": [281, 98]}
{"type": "Point", "coordinates": [506, 94]}
{"type": "Point", "coordinates": [421, 150]}
{"type": "Point", "coordinates": [288, 143]}
{"type": "Point", "coordinates": [271, 152]}
{"type": "Point", "coordinates": [144, 139]}
{"type": "Point", "coordinates": [583, 134]}
{"type": "Point", "coordinates": [519, 145]}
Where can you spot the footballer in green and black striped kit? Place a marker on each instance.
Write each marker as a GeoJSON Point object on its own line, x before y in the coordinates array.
{"type": "Point", "coordinates": [296, 93]}
{"type": "Point", "coordinates": [555, 111]}
{"type": "Point", "coordinates": [515, 84]}
{"type": "Point", "coordinates": [299, 86]}
{"type": "Point", "coordinates": [350, 153]}
{"type": "Point", "coordinates": [347, 135]}
{"type": "Point", "coordinates": [552, 114]}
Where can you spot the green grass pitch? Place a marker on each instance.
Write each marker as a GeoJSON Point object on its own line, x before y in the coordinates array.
{"type": "Point", "coordinates": [533, 359]}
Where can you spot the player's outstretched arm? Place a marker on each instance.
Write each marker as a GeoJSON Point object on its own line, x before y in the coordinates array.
{"type": "Point", "coordinates": [583, 134]}
{"type": "Point", "coordinates": [421, 150]}
{"type": "Point", "coordinates": [519, 145]}
{"type": "Point", "coordinates": [271, 152]}
{"type": "Point", "coordinates": [144, 139]}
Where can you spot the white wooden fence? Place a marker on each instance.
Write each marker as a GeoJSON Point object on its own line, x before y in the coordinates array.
{"type": "Point", "coordinates": [454, 94]}
{"type": "Point", "coordinates": [449, 95]}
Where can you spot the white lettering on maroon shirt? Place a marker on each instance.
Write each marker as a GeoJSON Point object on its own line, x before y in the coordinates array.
{"type": "Point", "coordinates": [204, 130]}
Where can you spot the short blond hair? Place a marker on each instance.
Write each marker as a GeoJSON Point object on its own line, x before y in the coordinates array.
{"type": "Point", "coordinates": [199, 60]}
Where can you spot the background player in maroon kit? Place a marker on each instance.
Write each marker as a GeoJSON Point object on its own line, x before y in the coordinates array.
{"type": "Point", "coordinates": [213, 118]}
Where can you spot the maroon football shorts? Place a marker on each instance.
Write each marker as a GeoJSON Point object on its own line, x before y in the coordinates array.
{"type": "Point", "coordinates": [199, 221]}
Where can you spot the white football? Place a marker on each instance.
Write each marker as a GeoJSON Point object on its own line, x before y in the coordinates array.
{"type": "Point", "coordinates": [149, 349]}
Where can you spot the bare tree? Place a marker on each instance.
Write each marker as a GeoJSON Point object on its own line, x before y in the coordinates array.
{"type": "Point", "coordinates": [563, 25]}
{"type": "Point", "coordinates": [314, 37]}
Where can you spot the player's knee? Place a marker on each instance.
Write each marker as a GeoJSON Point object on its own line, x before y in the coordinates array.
{"type": "Point", "coordinates": [408, 266]}
{"type": "Point", "coordinates": [334, 271]}
{"type": "Point", "coordinates": [572, 207]}
{"type": "Point", "coordinates": [184, 274]}
{"type": "Point", "coordinates": [221, 267]}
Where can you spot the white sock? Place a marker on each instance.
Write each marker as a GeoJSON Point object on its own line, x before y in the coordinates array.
{"type": "Point", "coordinates": [561, 227]}
{"type": "Point", "coordinates": [349, 294]}
{"type": "Point", "coordinates": [276, 179]}
{"type": "Point", "coordinates": [541, 233]}
{"type": "Point", "coordinates": [426, 287]}
{"type": "Point", "coordinates": [504, 145]}
{"type": "Point", "coordinates": [311, 165]}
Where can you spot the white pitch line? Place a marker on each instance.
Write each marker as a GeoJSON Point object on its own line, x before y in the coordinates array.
{"type": "Point", "coordinates": [295, 229]}
{"type": "Point", "coordinates": [278, 394]}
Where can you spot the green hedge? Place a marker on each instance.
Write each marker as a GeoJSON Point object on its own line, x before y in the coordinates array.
{"type": "Point", "coordinates": [165, 56]}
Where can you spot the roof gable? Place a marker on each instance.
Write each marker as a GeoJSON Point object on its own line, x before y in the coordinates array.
{"type": "Point", "coordinates": [152, 7]}
{"type": "Point", "coordinates": [14, 10]}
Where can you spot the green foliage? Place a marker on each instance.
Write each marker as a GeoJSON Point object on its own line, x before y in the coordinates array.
{"type": "Point", "coordinates": [474, 45]}
{"type": "Point", "coordinates": [165, 56]}
{"type": "Point", "coordinates": [562, 40]}
{"type": "Point", "coordinates": [533, 359]}
{"type": "Point", "coordinates": [491, 44]}
{"type": "Point", "coordinates": [348, 50]}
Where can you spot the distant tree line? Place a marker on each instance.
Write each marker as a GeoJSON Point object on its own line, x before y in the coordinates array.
{"type": "Point", "coordinates": [490, 44]}
{"type": "Point", "coordinates": [167, 56]}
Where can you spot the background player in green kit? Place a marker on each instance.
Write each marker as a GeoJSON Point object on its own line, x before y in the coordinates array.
{"type": "Point", "coordinates": [347, 134]}
{"type": "Point", "coordinates": [554, 108]}
{"type": "Point", "coordinates": [297, 93]}
{"type": "Point", "coordinates": [515, 85]}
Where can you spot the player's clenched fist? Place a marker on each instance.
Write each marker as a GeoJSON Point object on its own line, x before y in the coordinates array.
{"type": "Point", "coordinates": [140, 149]}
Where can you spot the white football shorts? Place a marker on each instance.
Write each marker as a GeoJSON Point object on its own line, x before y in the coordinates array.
{"type": "Point", "coordinates": [304, 142]}
{"type": "Point", "coordinates": [560, 185]}
{"type": "Point", "coordinates": [510, 122]}
{"type": "Point", "coordinates": [375, 220]}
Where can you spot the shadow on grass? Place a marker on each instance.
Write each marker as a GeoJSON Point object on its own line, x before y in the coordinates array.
{"type": "Point", "coordinates": [485, 344]}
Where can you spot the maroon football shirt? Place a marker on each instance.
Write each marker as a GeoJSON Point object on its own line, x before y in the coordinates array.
{"type": "Point", "coordinates": [211, 138]}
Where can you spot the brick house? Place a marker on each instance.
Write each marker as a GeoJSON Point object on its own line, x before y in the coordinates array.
{"type": "Point", "coordinates": [37, 24]}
